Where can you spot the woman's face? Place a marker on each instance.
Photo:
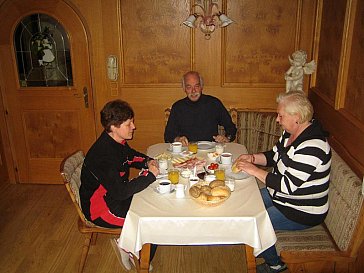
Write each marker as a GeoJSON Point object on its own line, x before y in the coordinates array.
{"type": "Point", "coordinates": [287, 121]}
{"type": "Point", "coordinates": [124, 131]}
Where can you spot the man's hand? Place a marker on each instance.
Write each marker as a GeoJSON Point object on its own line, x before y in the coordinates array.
{"type": "Point", "coordinates": [182, 139]}
{"type": "Point", "coordinates": [221, 139]}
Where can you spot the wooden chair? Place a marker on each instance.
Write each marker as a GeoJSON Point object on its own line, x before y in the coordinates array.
{"type": "Point", "coordinates": [70, 170]}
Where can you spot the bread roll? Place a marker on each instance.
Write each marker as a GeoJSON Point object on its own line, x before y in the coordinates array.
{"type": "Point", "coordinates": [203, 196]}
{"type": "Point", "coordinates": [206, 189]}
{"type": "Point", "coordinates": [216, 183]}
{"type": "Point", "coordinates": [234, 168]}
{"type": "Point", "coordinates": [213, 198]}
{"type": "Point", "coordinates": [195, 192]}
{"type": "Point", "coordinates": [220, 191]}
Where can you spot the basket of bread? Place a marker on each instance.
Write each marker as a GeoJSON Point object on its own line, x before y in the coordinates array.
{"type": "Point", "coordinates": [210, 194]}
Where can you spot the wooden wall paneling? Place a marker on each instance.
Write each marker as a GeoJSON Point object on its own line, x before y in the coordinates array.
{"type": "Point", "coordinates": [156, 47]}
{"type": "Point", "coordinates": [330, 47]}
{"type": "Point", "coordinates": [345, 54]}
{"type": "Point", "coordinates": [355, 74]}
{"type": "Point", "coordinates": [257, 47]}
{"type": "Point", "coordinates": [346, 133]}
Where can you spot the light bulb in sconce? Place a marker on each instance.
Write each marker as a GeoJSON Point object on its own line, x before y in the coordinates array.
{"type": "Point", "coordinates": [206, 21]}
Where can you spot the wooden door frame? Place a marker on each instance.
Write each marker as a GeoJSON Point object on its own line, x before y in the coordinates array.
{"type": "Point", "coordinates": [6, 139]}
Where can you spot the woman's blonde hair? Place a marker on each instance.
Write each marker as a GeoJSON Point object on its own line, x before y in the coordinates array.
{"type": "Point", "coordinates": [296, 102]}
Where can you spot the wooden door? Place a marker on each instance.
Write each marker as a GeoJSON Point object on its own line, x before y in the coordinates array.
{"type": "Point", "coordinates": [49, 119]}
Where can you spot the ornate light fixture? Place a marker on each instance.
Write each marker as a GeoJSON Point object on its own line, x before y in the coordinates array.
{"type": "Point", "coordinates": [207, 19]}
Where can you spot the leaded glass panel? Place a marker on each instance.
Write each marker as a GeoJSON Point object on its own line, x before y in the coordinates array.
{"type": "Point", "coordinates": [42, 52]}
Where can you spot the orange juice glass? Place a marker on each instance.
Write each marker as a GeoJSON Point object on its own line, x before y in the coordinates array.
{"type": "Point", "coordinates": [192, 147]}
{"type": "Point", "coordinates": [220, 174]}
{"type": "Point", "coordinates": [173, 176]}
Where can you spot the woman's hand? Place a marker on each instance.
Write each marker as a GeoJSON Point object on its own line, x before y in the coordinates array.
{"type": "Point", "coordinates": [153, 167]}
{"type": "Point", "coordinates": [250, 168]}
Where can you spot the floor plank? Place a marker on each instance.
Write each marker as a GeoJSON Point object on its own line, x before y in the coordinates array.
{"type": "Point", "coordinates": [39, 234]}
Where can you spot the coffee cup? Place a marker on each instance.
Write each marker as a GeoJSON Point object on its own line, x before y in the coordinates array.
{"type": "Point", "coordinates": [193, 180]}
{"type": "Point", "coordinates": [176, 147]}
{"type": "Point", "coordinates": [164, 186]}
{"type": "Point", "coordinates": [180, 190]}
{"type": "Point", "coordinates": [226, 158]}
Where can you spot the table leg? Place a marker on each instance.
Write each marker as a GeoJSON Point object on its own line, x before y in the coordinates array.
{"type": "Point", "coordinates": [250, 259]}
{"type": "Point", "coordinates": [142, 265]}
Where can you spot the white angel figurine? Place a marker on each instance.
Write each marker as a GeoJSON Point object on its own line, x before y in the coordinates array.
{"type": "Point", "coordinates": [299, 67]}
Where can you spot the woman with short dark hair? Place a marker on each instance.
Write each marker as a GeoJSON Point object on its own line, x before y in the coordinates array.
{"type": "Point", "coordinates": [106, 191]}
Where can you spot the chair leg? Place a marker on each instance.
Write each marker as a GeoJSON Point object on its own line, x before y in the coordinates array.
{"type": "Point", "coordinates": [85, 249]}
{"type": "Point", "coordinates": [94, 238]}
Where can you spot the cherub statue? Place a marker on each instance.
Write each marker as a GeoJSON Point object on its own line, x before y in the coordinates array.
{"type": "Point", "coordinates": [299, 67]}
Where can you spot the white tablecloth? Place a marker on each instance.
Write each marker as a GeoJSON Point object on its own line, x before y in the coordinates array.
{"type": "Point", "coordinates": [166, 220]}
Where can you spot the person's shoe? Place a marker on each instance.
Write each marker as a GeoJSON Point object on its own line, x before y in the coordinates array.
{"type": "Point", "coordinates": [122, 255]}
{"type": "Point", "coordinates": [265, 268]}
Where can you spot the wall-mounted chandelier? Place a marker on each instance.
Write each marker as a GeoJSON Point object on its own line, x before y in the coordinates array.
{"type": "Point", "coordinates": [206, 20]}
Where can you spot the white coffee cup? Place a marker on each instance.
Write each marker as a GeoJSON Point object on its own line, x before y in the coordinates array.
{"type": "Point", "coordinates": [193, 180]}
{"type": "Point", "coordinates": [176, 147]}
{"type": "Point", "coordinates": [180, 190]}
{"type": "Point", "coordinates": [164, 186]}
{"type": "Point", "coordinates": [226, 158]}
{"type": "Point", "coordinates": [163, 165]}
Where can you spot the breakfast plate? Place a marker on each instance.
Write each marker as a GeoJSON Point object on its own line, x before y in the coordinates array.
{"type": "Point", "coordinates": [205, 145]}
{"type": "Point", "coordinates": [240, 175]}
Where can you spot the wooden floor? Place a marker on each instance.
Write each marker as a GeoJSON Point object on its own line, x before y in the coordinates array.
{"type": "Point", "coordinates": [38, 233]}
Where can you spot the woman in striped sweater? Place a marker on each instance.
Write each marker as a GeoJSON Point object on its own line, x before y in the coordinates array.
{"type": "Point", "coordinates": [296, 193]}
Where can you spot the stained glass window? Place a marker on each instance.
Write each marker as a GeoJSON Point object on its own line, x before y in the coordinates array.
{"type": "Point", "coordinates": [42, 52]}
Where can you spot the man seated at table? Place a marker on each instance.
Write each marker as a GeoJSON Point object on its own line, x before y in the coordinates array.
{"type": "Point", "coordinates": [197, 116]}
{"type": "Point", "coordinates": [106, 191]}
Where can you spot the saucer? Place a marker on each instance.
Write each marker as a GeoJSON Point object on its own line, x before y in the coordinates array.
{"type": "Point", "coordinates": [173, 188]}
{"type": "Point", "coordinates": [184, 148]}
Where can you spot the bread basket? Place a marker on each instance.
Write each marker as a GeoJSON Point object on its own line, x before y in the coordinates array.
{"type": "Point", "coordinates": [211, 203]}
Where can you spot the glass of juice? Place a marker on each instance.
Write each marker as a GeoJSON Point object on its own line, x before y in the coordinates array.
{"type": "Point", "coordinates": [173, 175]}
{"type": "Point", "coordinates": [220, 174]}
{"type": "Point", "coordinates": [192, 147]}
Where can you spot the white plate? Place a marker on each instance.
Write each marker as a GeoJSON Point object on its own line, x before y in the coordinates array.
{"type": "Point", "coordinates": [240, 175]}
{"type": "Point", "coordinates": [155, 188]}
{"type": "Point", "coordinates": [205, 145]}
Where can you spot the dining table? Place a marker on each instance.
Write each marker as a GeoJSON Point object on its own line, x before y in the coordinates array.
{"type": "Point", "coordinates": [164, 219]}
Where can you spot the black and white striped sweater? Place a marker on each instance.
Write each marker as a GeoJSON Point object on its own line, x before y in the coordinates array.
{"type": "Point", "coordinates": [299, 181]}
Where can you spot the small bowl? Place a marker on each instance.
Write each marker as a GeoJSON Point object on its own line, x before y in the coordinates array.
{"type": "Point", "coordinates": [213, 156]}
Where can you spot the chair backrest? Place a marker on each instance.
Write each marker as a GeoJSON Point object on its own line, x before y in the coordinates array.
{"type": "Point", "coordinates": [70, 170]}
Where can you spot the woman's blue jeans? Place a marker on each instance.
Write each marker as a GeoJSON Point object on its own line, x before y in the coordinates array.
{"type": "Point", "coordinates": [279, 222]}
